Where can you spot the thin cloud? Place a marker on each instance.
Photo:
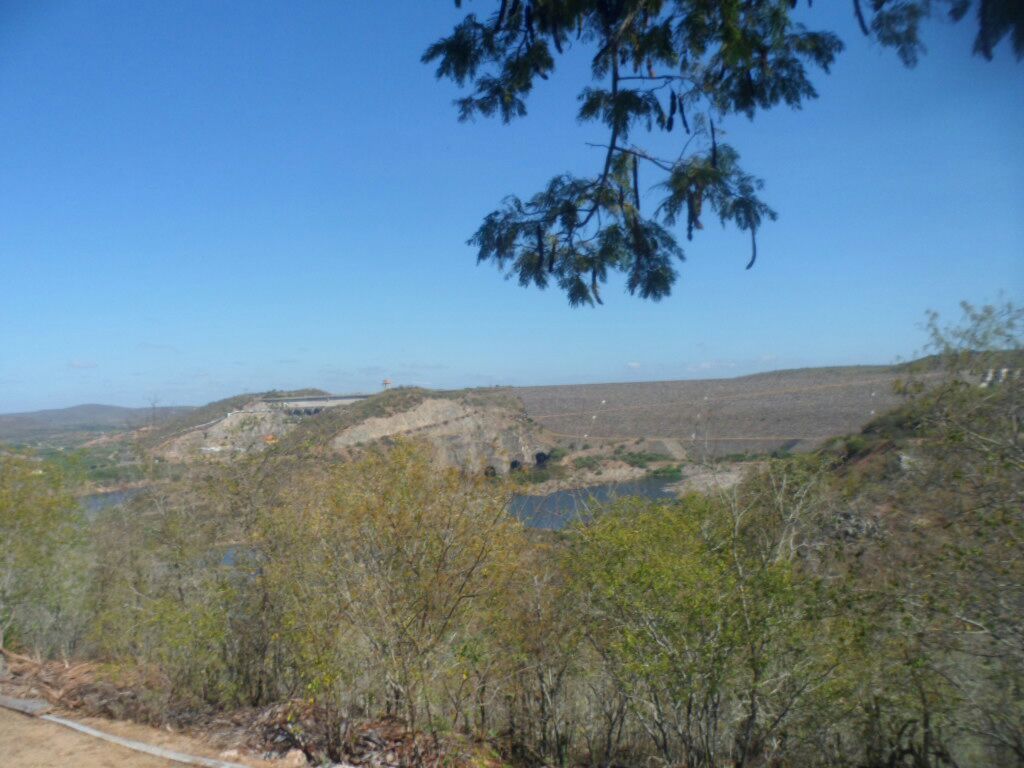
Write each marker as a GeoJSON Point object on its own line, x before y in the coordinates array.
{"type": "Point", "coordinates": [81, 365]}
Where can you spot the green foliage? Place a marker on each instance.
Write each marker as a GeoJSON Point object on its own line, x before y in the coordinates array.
{"type": "Point", "coordinates": [160, 593]}
{"type": "Point", "coordinates": [963, 600]}
{"type": "Point", "coordinates": [710, 63]}
{"type": "Point", "coordinates": [712, 634]}
{"type": "Point", "coordinates": [670, 473]}
{"type": "Point", "coordinates": [589, 463]}
{"type": "Point", "coordinates": [823, 612]}
{"type": "Point", "coordinates": [555, 455]}
{"type": "Point", "coordinates": [640, 458]}
{"type": "Point", "coordinates": [655, 66]}
{"type": "Point", "coordinates": [382, 605]}
{"type": "Point", "coordinates": [739, 457]}
{"type": "Point", "coordinates": [40, 538]}
{"type": "Point", "coordinates": [855, 444]}
{"type": "Point", "coordinates": [101, 465]}
{"type": "Point", "coordinates": [988, 335]}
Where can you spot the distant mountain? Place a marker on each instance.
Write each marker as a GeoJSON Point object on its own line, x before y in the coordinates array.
{"type": "Point", "coordinates": [80, 421]}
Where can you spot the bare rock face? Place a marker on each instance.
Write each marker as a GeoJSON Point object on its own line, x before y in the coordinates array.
{"type": "Point", "coordinates": [293, 759]}
{"type": "Point", "coordinates": [251, 428]}
{"type": "Point", "coordinates": [468, 436]}
{"type": "Point", "coordinates": [478, 433]}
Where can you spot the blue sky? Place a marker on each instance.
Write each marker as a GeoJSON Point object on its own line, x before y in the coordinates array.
{"type": "Point", "coordinates": [203, 198]}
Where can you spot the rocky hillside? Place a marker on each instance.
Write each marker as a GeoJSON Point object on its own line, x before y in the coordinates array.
{"type": "Point", "coordinates": [476, 430]}
{"type": "Point", "coordinates": [598, 428]}
{"type": "Point", "coordinates": [238, 424]}
{"type": "Point", "coordinates": [481, 431]}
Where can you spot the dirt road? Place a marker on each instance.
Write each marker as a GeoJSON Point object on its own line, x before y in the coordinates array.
{"type": "Point", "coordinates": [29, 743]}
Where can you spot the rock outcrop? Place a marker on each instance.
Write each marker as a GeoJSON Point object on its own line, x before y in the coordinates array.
{"type": "Point", "coordinates": [471, 436]}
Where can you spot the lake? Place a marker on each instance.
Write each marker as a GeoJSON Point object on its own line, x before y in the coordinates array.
{"type": "Point", "coordinates": [554, 511]}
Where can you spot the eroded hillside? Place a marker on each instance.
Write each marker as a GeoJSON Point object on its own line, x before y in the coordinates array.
{"type": "Point", "coordinates": [480, 431]}
{"type": "Point", "coordinates": [475, 430]}
{"type": "Point", "coordinates": [603, 431]}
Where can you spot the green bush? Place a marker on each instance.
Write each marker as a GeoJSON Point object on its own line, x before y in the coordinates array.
{"type": "Point", "coordinates": [557, 454]}
{"type": "Point", "coordinates": [671, 473]}
{"type": "Point", "coordinates": [687, 603]}
{"type": "Point", "coordinates": [855, 445]}
{"type": "Point", "coordinates": [641, 459]}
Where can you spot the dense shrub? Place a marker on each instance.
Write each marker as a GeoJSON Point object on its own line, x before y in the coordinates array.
{"type": "Point", "coordinates": [810, 616]}
{"type": "Point", "coordinates": [587, 462]}
{"type": "Point", "coordinates": [40, 552]}
{"type": "Point", "coordinates": [672, 473]}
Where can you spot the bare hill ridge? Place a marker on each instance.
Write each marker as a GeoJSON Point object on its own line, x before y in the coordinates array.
{"type": "Point", "coordinates": [80, 421]}
{"type": "Point", "coordinates": [789, 409]}
{"type": "Point", "coordinates": [498, 427]}
{"type": "Point", "coordinates": [475, 430]}
{"type": "Point", "coordinates": [469, 429]}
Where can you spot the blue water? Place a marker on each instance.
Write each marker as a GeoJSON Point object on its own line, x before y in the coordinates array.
{"type": "Point", "coordinates": [555, 511]}
{"type": "Point", "coordinates": [97, 502]}
{"type": "Point", "coordinates": [552, 511]}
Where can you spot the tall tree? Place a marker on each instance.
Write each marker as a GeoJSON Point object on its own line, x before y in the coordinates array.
{"type": "Point", "coordinates": [668, 65]}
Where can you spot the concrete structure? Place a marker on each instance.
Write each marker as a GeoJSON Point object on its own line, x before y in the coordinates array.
{"type": "Point", "coordinates": [311, 405]}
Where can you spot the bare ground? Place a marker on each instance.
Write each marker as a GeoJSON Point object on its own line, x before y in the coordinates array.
{"type": "Point", "coordinates": [795, 410]}
{"type": "Point", "coordinates": [30, 743]}
{"type": "Point", "coordinates": [280, 735]}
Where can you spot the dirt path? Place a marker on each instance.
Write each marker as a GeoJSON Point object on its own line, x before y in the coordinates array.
{"type": "Point", "coordinates": [29, 743]}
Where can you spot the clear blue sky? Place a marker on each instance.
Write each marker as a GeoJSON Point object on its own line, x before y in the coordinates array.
{"type": "Point", "coordinates": [202, 198]}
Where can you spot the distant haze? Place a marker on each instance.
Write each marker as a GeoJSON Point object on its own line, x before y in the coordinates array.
{"type": "Point", "coordinates": [34, 425]}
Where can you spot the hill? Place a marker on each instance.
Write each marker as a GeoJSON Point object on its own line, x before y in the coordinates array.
{"type": "Point", "coordinates": [80, 423]}
{"type": "Point", "coordinates": [787, 410]}
{"type": "Point", "coordinates": [238, 423]}
{"type": "Point", "coordinates": [471, 429]}
{"type": "Point", "coordinates": [590, 433]}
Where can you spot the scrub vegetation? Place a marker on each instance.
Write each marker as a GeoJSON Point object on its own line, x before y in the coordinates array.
{"type": "Point", "coordinates": [861, 605]}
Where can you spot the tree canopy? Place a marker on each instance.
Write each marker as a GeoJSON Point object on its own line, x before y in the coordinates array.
{"type": "Point", "coordinates": [657, 65]}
